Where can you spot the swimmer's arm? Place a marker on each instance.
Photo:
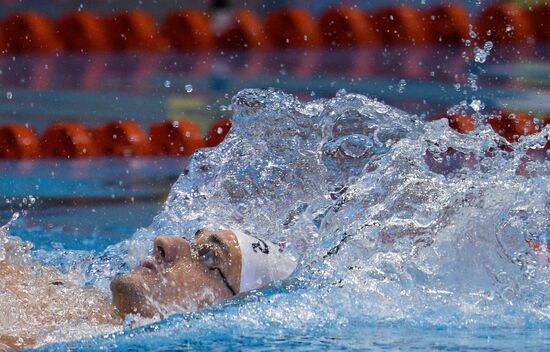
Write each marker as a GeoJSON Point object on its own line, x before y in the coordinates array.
{"type": "Point", "coordinates": [15, 343]}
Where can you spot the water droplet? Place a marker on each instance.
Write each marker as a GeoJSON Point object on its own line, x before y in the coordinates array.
{"type": "Point", "coordinates": [401, 86]}
{"type": "Point", "coordinates": [477, 105]}
{"type": "Point", "coordinates": [341, 92]}
{"type": "Point", "coordinates": [167, 84]}
{"type": "Point", "coordinates": [9, 95]}
{"type": "Point", "coordinates": [472, 34]}
{"type": "Point", "coordinates": [482, 54]}
{"type": "Point", "coordinates": [472, 81]}
{"type": "Point", "coordinates": [188, 88]}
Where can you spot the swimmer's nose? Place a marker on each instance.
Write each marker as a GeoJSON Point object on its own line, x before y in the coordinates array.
{"type": "Point", "coordinates": [169, 249]}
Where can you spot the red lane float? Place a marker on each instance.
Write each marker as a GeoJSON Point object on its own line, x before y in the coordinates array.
{"type": "Point", "coordinates": [292, 28]}
{"type": "Point", "coordinates": [244, 32]}
{"type": "Point", "coordinates": [118, 138]}
{"type": "Point", "coordinates": [122, 138]}
{"type": "Point", "coordinates": [18, 142]}
{"type": "Point", "coordinates": [341, 26]}
{"type": "Point", "coordinates": [126, 138]}
{"type": "Point", "coordinates": [217, 132]}
{"type": "Point", "coordinates": [540, 15]}
{"type": "Point", "coordinates": [67, 140]}
{"type": "Point", "coordinates": [446, 24]}
{"type": "Point", "coordinates": [512, 125]}
{"type": "Point", "coordinates": [462, 123]}
{"type": "Point", "coordinates": [507, 23]}
{"type": "Point", "coordinates": [401, 25]}
{"type": "Point", "coordinates": [82, 32]}
{"type": "Point", "coordinates": [29, 32]}
{"type": "Point", "coordinates": [188, 30]}
{"type": "Point", "coordinates": [175, 138]}
{"type": "Point", "coordinates": [133, 30]}
{"type": "Point", "coordinates": [3, 44]}
{"type": "Point", "coordinates": [346, 27]}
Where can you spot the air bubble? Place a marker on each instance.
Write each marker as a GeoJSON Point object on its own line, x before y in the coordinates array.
{"type": "Point", "coordinates": [356, 146]}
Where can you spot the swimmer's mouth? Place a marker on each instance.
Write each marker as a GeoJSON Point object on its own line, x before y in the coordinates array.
{"type": "Point", "coordinates": [150, 264]}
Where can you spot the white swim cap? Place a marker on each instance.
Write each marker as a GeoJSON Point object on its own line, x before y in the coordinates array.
{"type": "Point", "coordinates": [261, 262]}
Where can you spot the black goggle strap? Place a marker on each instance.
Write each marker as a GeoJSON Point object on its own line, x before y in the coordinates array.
{"type": "Point", "coordinates": [195, 252]}
{"type": "Point", "coordinates": [225, 280]}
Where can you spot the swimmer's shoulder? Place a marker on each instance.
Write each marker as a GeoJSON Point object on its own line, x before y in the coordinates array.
{"type": "Point", "coordinates": [9, 342]}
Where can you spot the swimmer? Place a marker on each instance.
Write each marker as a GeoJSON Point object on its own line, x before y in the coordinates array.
{"type": "Point", "coordinates": [186, 276]}
{"type": "Point", "coordinates": [181, 276]}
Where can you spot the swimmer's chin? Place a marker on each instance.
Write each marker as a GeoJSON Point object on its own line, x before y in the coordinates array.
{"type": "Point", "coordinates": [131, 295]}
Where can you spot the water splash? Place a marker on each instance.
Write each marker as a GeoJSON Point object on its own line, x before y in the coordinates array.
{"type": "Point", "coordinates": [380, 207]}
{"type": "Point", "coordinates": [40, 304]}
{"type": "Point", "coordinates": [393, 219]}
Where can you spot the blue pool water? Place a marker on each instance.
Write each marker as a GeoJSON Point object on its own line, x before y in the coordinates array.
{"type": "Point", "coordinates": [362, 337]}
{"type": "Point", "coordinates": [84, 204]}
{"type": "Point", "coordinates": [403, 245]}
{"type": "Point", "coordinates": [410, 236]}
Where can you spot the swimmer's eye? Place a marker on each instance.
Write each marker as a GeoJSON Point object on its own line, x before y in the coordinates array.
{"type": "Point", "coordinates": [207, 256]}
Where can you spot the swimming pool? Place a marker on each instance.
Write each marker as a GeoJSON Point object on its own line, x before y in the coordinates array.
{"type": "Point", "coordinates": [466, 282]}
{"type": "Point", "coordinates": [465, 279]}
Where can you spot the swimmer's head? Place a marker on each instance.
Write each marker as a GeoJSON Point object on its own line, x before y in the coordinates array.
{"type": "Point", "coordinates": [185, 276]}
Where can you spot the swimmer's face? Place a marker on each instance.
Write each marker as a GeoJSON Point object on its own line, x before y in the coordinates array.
{"type": "Point", "coordinates": [182, 275]}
